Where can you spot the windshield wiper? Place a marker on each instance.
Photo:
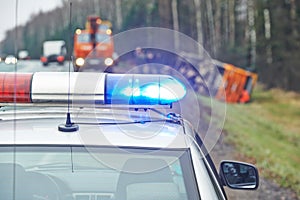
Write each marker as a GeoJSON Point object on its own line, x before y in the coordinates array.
{"type": "Point", "coordinates": [121, 123]}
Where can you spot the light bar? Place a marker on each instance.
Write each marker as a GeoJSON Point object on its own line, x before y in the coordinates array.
{"type": "Point", "coordinates": [99, 88]}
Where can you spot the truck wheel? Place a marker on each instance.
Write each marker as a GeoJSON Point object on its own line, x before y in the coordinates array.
{"type": "Point", "coordinates": [76, 69]}
{"type": "Point", "coordinates": [45, 64]}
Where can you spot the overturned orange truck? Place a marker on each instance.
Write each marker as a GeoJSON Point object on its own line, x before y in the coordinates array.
{"type": "Point", "coordinates": [94, 46]}
{"type": "Point", "coordinates": [213, 78]}
{"type": "Point", "coordinates": [238, 83]}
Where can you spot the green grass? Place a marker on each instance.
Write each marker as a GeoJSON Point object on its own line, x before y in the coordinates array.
{"type": "Point", "coordinates": [267, 131]}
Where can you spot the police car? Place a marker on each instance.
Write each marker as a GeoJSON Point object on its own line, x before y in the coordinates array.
{"type": "Point", "coordinates": [111, 137]}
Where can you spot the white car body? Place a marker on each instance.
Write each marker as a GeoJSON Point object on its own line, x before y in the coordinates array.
{"type": "Point", "coordinates": [51, 149]}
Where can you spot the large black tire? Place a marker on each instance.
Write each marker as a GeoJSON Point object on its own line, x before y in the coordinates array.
{"type": "Point", "coordinates": [76, 68]}
{"type": "Point", "coordinates": [45, 64]}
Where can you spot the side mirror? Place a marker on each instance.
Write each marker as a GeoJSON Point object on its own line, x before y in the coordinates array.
{"type": "Point", "coordinates": [238, 175]}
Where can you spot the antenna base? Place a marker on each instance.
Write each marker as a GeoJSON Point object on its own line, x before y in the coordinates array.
{"type": "Point", "coordinates": [68, 127]}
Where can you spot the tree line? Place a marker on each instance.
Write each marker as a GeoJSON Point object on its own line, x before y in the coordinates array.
{"type": "Point", "coordinates": [260, 35]}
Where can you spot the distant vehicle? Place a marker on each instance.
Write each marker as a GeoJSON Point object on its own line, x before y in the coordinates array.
{"type": "Point", "coordinates": [54, 51]}
{"type": "Point", "coordinates": [23, 55]}
{"type": "Point", "coordinates": [93, 46]}
{"type": "Point", "coordinates": [10, 59]}
{"type": "Point", "coordinates": [237, 85]}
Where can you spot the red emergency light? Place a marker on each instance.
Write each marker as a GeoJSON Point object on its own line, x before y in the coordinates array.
{"type": "Point", "coordinates": [15, 87]}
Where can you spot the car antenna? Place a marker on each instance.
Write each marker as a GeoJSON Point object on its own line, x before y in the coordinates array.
{"type": "Point", "coordinates": [69, 126]}
{"type": "Point", "coordinates": [15, 103]}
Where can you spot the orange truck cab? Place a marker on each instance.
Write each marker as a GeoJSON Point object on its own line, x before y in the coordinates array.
{"type": "Point", "coordinates": [94, 46]}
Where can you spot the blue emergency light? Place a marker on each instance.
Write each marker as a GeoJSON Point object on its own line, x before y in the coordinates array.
{"type": "Point", "coordinates": [133, 89]}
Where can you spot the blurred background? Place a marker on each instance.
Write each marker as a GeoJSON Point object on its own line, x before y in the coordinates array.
{"type": "Point", "coordinates": [259, 36]}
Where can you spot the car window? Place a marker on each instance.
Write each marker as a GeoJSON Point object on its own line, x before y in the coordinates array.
{"type": "Point", "coordinates": [84, 38]}
{"type": "Point", "coordinates": [98, 172]}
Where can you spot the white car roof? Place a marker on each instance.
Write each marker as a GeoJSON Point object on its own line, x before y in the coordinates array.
{"type": "Point", "coordinates": [104, 127]}
{"type": "Point", "coordinates": [110, 109]}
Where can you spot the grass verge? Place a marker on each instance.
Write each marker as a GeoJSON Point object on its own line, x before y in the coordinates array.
{"type": "Point", "coordinates": [267, 131]}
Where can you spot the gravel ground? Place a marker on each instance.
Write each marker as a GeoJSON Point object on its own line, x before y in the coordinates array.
{"type": "Point", "coordinates": [268, 190]}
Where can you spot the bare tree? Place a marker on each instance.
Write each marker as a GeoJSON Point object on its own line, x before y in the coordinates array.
{"type": "Point", "coordinates": [211, 26]}
{"type": "Point", "coordinates": [225, 22]}
{"type": "Point", "coordinates": [252, 34]}
{"type": "Point", "coordinates": [217, 19]}
{"type": "Point", "coordinates": [293, 14]}
{"type": "Point", "coordinates": [165, 13]}
{"type": "Point", "coordinates": [175, 23]}
{"type": "Point", "coordinates": [231, 13]}
{"type": "Point", "coordinates": [119, 20]}
{"type": "Point", "coordinates": [267, 26]}
{"type": "Point", "coordinates": [199, 24]}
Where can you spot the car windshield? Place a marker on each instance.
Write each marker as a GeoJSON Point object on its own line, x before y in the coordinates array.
{"type": "Point", "coordinates": [52, 172]}
{"type": "Point", "coordinates": [100, 37]}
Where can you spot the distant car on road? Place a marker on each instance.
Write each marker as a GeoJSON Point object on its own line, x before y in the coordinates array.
{"type": "Point", "coordinates": [54, 51]}
{"type": "Point", "coordinates": [10, 59]}
{"type": "Point", "coordinates": [23, 55]}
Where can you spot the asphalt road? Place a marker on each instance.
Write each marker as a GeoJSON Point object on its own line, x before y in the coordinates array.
{"type": "Point", "coordinates": [33, 66]}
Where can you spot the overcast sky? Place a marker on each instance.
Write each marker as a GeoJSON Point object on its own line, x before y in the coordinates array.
{"type": "Point", "coordinates": [25, 9]}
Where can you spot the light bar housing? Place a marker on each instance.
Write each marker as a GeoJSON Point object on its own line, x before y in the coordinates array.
{"type": "Point", "coordinates": [84, 87]}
